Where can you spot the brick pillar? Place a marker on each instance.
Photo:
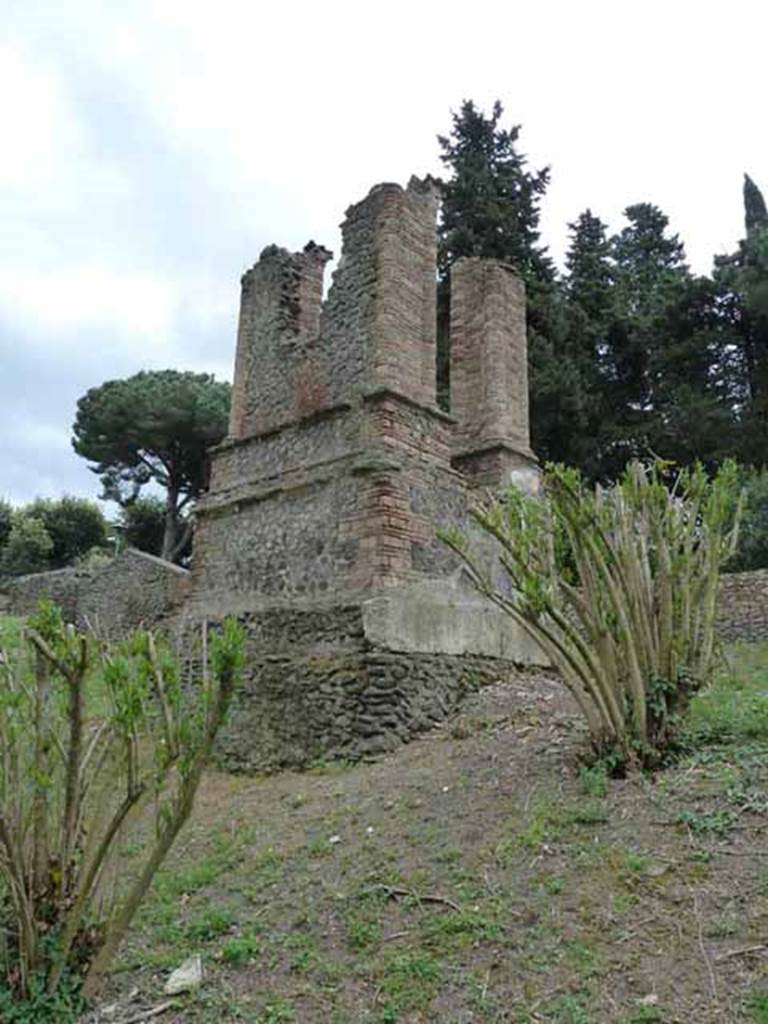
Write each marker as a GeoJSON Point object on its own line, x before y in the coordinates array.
{"type": "Point", "coordinates": [281, 299]}
{"type": "Point", "coordinates": [389, 258]}
{"type": "Point", "coordinates": [489, 371]}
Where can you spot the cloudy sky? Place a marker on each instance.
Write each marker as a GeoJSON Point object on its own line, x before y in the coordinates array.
{"type": "Point", "coordinates": [151, 150]}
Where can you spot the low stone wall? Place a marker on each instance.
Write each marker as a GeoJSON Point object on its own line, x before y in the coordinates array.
{"type": "Point", "coordinates": [742, 612]}
{"type": "Point", "coordinates": [131, 590]}
{"type": "Point", "coordinates": [324, 691]}
{"type": "Point", "coordinates": [63, 586]}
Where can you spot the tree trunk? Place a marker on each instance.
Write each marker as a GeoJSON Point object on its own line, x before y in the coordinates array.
{"type": "Point", "coordinates": [171, 523]}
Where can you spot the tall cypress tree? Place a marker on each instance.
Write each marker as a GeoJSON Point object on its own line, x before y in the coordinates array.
{"type": "Point", "coordinates": [491, 201]}
{"type": "Point", "coordinates": [490, 209]}
{"type": "Point", "coordinates": [589, 276]}
{"type": "Point", "coordinates": [741, 279]}
{"type": "Point", "coordinates": [755, 212]}
{"type": "Point", "coordinates": [649, 267]}
{"type": "Point", "coordinates": [692, 416]}
{"type": "Point", "coordinates": [574, 411]}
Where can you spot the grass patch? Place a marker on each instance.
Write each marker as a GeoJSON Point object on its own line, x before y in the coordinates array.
{"type": "Point", "coordinates": [708, 823]}
{"type": "Point", "coordinates": [551, 822]}
{"type": "Point", "coordinates": [240, 950]}
{"type": "Point", "coordinates": [408, 981]}
{"type": "Point", "coordinates": [735, 708]}
{"type": "Point", "coordinates": [757, 1008]}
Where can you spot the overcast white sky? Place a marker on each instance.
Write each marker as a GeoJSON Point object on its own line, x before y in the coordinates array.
{"type": "Point", "coordinates": [151, 150]}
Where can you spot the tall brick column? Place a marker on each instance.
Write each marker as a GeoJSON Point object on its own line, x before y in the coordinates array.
{"type": "Point", "coordinates": [489, 371]}
{"type": "Point", "coordinates": [389, 257]}
{"type": "Point", "coordinates": [280, 303]}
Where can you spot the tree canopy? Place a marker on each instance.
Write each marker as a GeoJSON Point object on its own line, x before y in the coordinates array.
{"type": "Point", "coordinates": [154, 428]}
{"type": "Point", "coordinates": [75, 526]}
{"type": "Point", "coordinates": [49, 534]}
{"type": "Point", "coordinates": [27, 548]}
{"type": "Point", "coordinates": [631, 354]}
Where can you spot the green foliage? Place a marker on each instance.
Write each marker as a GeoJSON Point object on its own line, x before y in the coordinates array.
{"type": "Point", "coordinates": [630, 354]}
{"type": "Point", "coordinates": [74, 525]}
{"type": "Point", "coordinates": [714, 823]}
{"type": "Point", "coordinates": [755, 213]}
{"type": "Point", "coordinates": [618, 587]}
{"type": "Point", "coordinates": [490, 209]}
{"type": "Point", "coordinates": [491, 203]}
{"type": "Point", "coordinates": [757, 1007]}
{"type": "Point", "coordinates": [142, 524]}
{"type": "Point", "coordinates": [94, 740]}
{"type": "Point", "coordinates": [49, 534]}
{"type": "Point", "coordinates": [741, 280]}
{"type": "Point", "coordinates": [594, 779]}
{"type": "Point", "coordinates": [64, 1006]}
{"type": "Point", "coordinates": [571, 389]}
{"type": "Point", "coordinates": [752, 548]}
{"type": "Point", "coordinates": [28, 547]}
{"type": "Point", "coordinates": [154, 427]}
{"type": "Point", "coordinates": [6, 521]}
{"type": "Point", "coordinates": [240, 950]}
{"type": "Point", "coordinates": [734, 710]}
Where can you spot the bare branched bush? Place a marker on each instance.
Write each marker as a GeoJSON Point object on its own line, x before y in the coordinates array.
{"type": "Point", "coordinates": [94, 741]}
{"type": "Point", "coordinates": [618, 587]}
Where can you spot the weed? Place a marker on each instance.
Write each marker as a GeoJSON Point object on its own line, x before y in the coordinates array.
{"type": "Point", "coordinates": [62, 1007]}
{"type": "Point", "coordinates": [240, 950]}
{"type": "Point", "coordinates": [569, 1010]}
{"type": "Point", "coordinates": [553, 884]}
{"type": "Point", "coordinates": [267, 869]}
{"type": "Point", "coordinates": [362, 933]}
{"type": "Point", "coordinates": [210, 925]}
{"type": "Point", "coordinates": [449, 856]}
{"type": "Point", "coordinates": [277, 1011]}
{"type": "Point", "coordinates": [735, 707]}
{"type": "Point", "coordinates": [757, 1006]}
{"type": "Point", "coordinates": [716, 823]}
{"type": "Point", "coordinates": [644, 1015]}
{"type": "Point", "coordinates": [319, 847]}
{"type": "Point", "coordinates": [594, 779]}
{"type": "Point", "coordinates": [445, 930]}
{"type": "Point", "coordinates": [581, 956]}
{"type": "Point", "coordinates": [723, 927]}
{"type": "Point", "coordinates": [409, 982]}
{"type": "Point", "coordinates": [746, 797]}
{"type": "Point", "coordinates": [636, 863]}
{"type": "Point", "coordinates": [550, 822]}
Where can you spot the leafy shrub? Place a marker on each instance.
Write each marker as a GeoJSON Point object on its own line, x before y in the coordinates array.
{"type": "Point", "coordinates": [618, 588]}
{"type": "Point", "coordinates": [752, 548]}
{"type": "Point", "coordinates": [93, 741]}
{"type": "Point", "coordinates": [49, 534]}
{"type": "Point", "coordinates": [75, 526]}
{"type": "Point", "coordinates": [27, 548]}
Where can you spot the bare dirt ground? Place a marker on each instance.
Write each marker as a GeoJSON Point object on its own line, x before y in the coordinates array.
{"type": "Point", "coordinates": [480, 874]}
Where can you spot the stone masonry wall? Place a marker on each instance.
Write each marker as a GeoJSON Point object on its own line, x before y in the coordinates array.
{"type": "Point", "coordinates": [317, 689]}
{"type": "Point", "coordinates": [132, 590]}
{"type": "Point", "coordinates": [63, 587]}
{"type": "Point", "coordinates": [742, 611]}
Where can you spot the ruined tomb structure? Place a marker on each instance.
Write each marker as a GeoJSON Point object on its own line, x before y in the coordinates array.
{"type": "Point", "coordinates": [319, 529]}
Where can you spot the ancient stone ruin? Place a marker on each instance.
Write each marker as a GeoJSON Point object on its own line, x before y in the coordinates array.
{"type": "Point", "coordinates": [320, 525]}
{"type": "Point", "coordinates": [319, 530]}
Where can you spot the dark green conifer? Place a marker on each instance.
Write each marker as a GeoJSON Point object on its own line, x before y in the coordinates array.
{"type": "Point", "coordinates": [755, 212]}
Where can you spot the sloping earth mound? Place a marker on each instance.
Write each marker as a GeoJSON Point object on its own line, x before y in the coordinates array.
{"type": "Point", "coordinates": [481, 874]}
